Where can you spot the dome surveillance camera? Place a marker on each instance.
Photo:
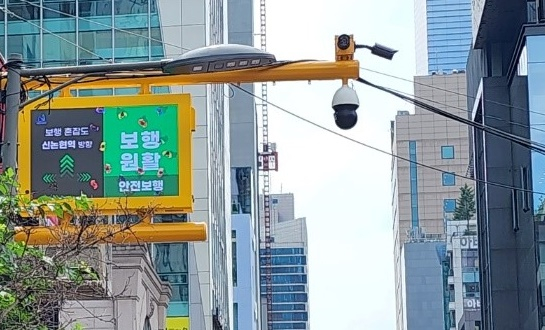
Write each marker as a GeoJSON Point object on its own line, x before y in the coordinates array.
{"type": "Point", "coordinates": [345, 103]}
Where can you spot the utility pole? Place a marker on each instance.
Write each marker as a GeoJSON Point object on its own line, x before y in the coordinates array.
{"type": "Point", "coordinates": [228, 64]}
{"type": "Point", "coordinates": [13, 101]}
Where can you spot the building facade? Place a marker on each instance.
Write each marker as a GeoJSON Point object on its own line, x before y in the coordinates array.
{"type": "Point", "coordinates": [80, 32]}
{"type": "Point", "coordinates": [423, 198]}
{"type": "Point", "coordinates": [246, 302]}
{"type": "Point", "coordinates": [290, 306]}
{"type": "Point", "coordinates": [423, 289]}
{"type": "Point", "coordinates": [462, 285]}
{"type": "Point", "coordinates": [442, 34]}
{"type": "Point", "coordinates": [244, 181]}
{"type": "Point", "coordinates": [505, 84]}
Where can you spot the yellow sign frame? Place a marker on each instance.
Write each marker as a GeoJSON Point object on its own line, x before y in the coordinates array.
{"type": "Point", "coordinates": [181, 203]}
{"type": "Point", "coordinates": [177, 323]}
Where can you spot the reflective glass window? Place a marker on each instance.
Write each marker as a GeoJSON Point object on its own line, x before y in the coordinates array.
{"type": "Point", "coordinates": [98, 42]}
{"type": "Point", "coordinates": [60, 50]}
{"type": "Point", "coordinates": [449, 205]}
{"type": "Point", "coordinates": [59, 9]}
{"type": "Point", "coordinates": [449, 179]}
{"type": "Point", "coordinates": [24, 11]}
{"type": "Point", "coordinates": [124, 7]}
{"type": "Point", "coordinates": [132, 44]}
{"type": "Point", "coordinates": [94, 8]}
{"type": "Point", "coordinates": [447, 152]}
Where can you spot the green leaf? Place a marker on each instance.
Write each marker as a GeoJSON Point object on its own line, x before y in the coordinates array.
{"type": "Point", "coordinates": [67, 207]}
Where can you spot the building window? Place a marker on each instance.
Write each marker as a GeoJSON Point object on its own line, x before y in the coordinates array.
{"type": "Point", "coordinates": [147, 324]}
{"type": "Point", "coordinates": [449, 179]}
{"type": "Point", "coordinates": [414, 184]}
{"type": "Point", "coordinates": [234, 253]}
{"type": "Point", "coordinates": [447, 152]}
{"type": "Point", "coordinates": [449, 205]}
{"type": "Point", "coordinates": [235, 316]}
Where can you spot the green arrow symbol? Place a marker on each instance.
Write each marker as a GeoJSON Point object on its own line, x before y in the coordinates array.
{"type": "Point", "coordinates": [48, 178]}
{"type": "Point", "coordinates": [84, 177]}
{"type": "Point", "coordinates": [67, 165]}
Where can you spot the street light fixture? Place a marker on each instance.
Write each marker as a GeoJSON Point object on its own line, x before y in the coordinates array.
{"type": "Point", "coordinates": [219, 58]}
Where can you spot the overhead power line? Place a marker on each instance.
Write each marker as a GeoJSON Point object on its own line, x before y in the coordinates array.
{"type": "Point", "coordinates": [510, 106]}
{"type": "Point", "coordinates": [532, 145]}
{"type": "Point", "coordinates": [9, 12]}
{"type": "Point", "coordinates": [104, 25]}
{"type": "Point", "coordinates": [448, 106]}
{"type": "Point", "coordinates": [308, 121]}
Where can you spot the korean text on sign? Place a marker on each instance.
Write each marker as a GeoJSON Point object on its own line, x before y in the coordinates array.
{"type": "Point", "coordinates": [67, 144]}
{"type": "Point", "coordinates": [67, 131]}
{"type": "Point", "coordinates": [132, 160]}
{"type": "Point", "coordinates": [126, 186]}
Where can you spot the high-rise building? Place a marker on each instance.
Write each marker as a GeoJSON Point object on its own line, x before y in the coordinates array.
{"type": "Point", "coordinates": [423, 198]}
{"type": "Point", "coordinates": [442, 34]}
{"type": "Point", "coordinates": [79, 32]}
{"type": "Point", "coordinates": [289, 251]}
{"type": "Point", "coordinates": [244, 182]}
{"type": "Point", "coordinates": [506, 89]}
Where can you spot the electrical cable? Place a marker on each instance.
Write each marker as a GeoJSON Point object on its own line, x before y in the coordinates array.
{"type": "Point", "coordinates": [308, 121]}
{"type": "Point", "coordinates": [9, 12]}
{"type": "Point", "coordinates": [468, 111]}
{"type": "Point", "coordinates": [532, 145]}
{"type": "Point", "coordinates": [266, 66]}
{"type": "Point", "coordinates": [103, 24]}
{"type": "Point", "coordinates": [514, 138]}
{"type": "Point", "coordinates": [510, 106]}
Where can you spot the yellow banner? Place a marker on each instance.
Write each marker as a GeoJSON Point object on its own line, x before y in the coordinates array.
{"type": "Point", "coordinates": [177, 323]}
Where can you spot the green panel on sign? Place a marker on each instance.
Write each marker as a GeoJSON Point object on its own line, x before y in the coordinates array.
{"type": "Point", "coordinates": [141, 151]}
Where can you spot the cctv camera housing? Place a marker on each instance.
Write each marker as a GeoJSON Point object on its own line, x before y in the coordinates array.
{"type": "Point", "coordinates": [345, 103]}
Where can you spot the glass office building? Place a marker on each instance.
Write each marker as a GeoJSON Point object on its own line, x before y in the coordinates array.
{"type": "Point", "coordinates": [80, 32]}
{"type": "Point", "coordinates": [509, 80]}
{"type": "Point", "coordinates": [290, 288]}
{"type": "Point", "coordinates": [290, 305]}
{"type": "Point", "coordinates": [443, 35]}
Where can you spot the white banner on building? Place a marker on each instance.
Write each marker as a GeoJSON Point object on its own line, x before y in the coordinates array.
{"type": "Point", "coordinates": [472, 303]}
{"type": "Point", "coordinates": [469, 242]}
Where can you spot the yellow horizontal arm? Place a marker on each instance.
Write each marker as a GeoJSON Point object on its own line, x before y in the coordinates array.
{"type": "Point", "coordinates": [118, 234]}
{"type": "Point", "coordinates": [297, 71]}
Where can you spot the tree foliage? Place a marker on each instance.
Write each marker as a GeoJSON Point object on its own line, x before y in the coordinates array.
{"type": "Point", "coordinates": [36, 281]}
{"type": "Point", "coordinates": [465, 205]}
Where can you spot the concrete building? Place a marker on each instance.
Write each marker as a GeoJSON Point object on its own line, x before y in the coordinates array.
{"type": "Point", "coordinates": [463, 291]}
{"type": "Point", "coordinates": [423, 197]}
{"type": "Point", "coordinates": [79, 32]}
{"type": "Point", "coordinates": [423, 284]}
{"type": "Point", "coordinates": [246, 300]}
{"type": "Point", "coordinates": [244, 182]}
{"type": "Point", "coordinates": [289, 266]}
{"type": "Point", "coordinates": [442, 34]}
{"type": "Point", "coordinates": [505, 84]}
{"type": "Point", "coordinates": [139, 300]}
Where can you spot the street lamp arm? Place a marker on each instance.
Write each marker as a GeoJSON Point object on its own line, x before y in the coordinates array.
{"type": "Point", "coordinates": [94, 69]}
{"type": "Point", "coordinates": [291, 71]}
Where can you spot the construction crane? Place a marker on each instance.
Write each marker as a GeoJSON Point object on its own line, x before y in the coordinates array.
{"type": "Point", "coordinates": [265, 172]}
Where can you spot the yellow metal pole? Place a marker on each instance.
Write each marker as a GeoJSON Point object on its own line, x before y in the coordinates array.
{"type": "Point", "coordinates": [118, 234]}
{"type": "Point", "coordinates": [297, 71]}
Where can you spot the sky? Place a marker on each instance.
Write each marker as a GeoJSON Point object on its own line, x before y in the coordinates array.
{"type": "Point", "coordinates": [341, 187]}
